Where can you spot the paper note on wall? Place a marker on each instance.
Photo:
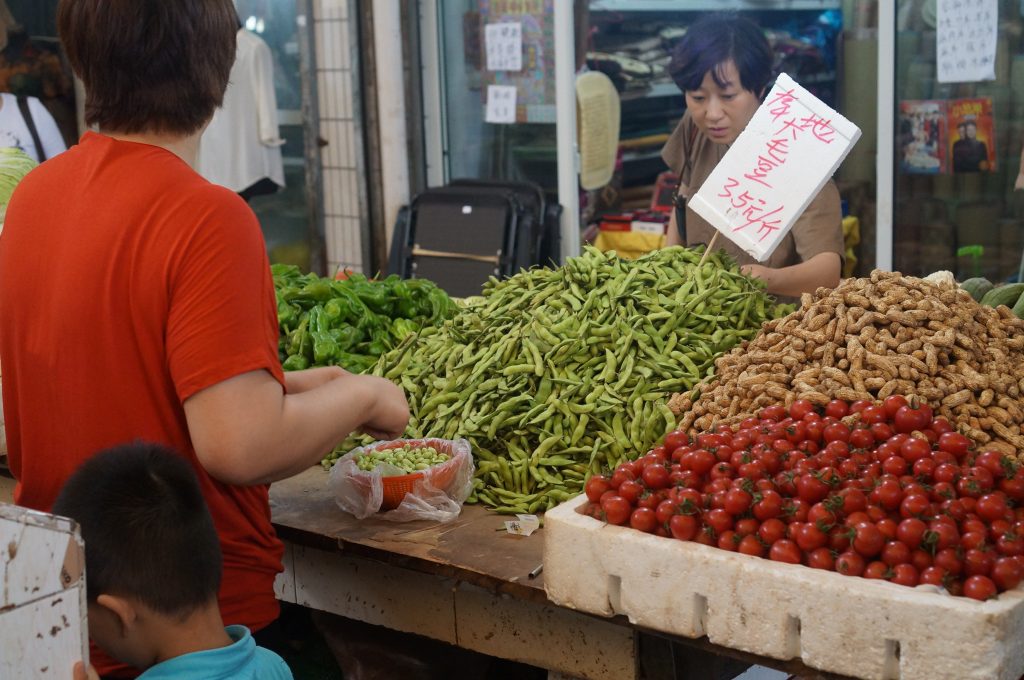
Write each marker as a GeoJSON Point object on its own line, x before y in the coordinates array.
{"type": "Point", "coordinates": [774, 169]}
{"type": "Point", "coordinates": [504, 46]}
{"type": "Point", "coordinates": [965, 47]}
{"type": "Point", "coordinates": [501, 104]}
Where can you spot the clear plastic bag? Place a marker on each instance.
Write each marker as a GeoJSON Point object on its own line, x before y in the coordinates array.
{"type": "Point", "coordinates": [438, 495]}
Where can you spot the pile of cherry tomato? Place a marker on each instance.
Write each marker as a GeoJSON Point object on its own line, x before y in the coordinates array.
{"type": "Point", "coordinates": [892, 493]}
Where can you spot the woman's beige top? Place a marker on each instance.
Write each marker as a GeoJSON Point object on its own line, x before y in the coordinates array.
{"type": "Point", "coordinates": [819, 229]}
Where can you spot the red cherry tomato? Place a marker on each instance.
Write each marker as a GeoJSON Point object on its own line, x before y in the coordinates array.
{"type": "Point", "coordinates": [935, 576]}
{"type": "Point", "coordinates": [954, 443]}
{"type": "Point", "coordinates": [905, 575]}
{"type": "Point", "coordinates": [675, 439]}
{"type": "Point", "coordinates": [643, 519]}
{"type": "Point", "coordinates": [737, 501]}
{"type": "Point", "coordinates": [850, 563]}
{"type": "Point", "coordinates": [684, 527]}
{"type": "Point", "coordinates": [908, 418]}
{"type": "Point", "coordinates": [656, 475]}
{"type": "Point", "coordinates": [892, 404]}
{"type": "Point", "coordinates": [769, 506]}
{"type": "Point", "coordinates": [821, 558]}
{"type": "Point", "coordinates": [979, 588]}
{"type": "Point", "coordinates": [896, 552]}
{"type": "Point", "coordinates": [1007, 573]}
{"type": "Point", "coordinates": [868, 540]}
{"type": "Point", "coordinates": [800, 408]}
{"type": "Point", "coordinates": [992, 506]}
{"type": "Point", "coordinates": [728, 540]}
{"type": "Point", "coordinates": [809, 537]}
{"type": "Point", "coordinates": [596, 486]}
{"type": "Point", "coordinates": [771, 531]}
{"type": "Point", "coordinates": [616, 510]}
{"type": "Point", "coordinates": [751, 545]}
{"type": "Point", "coordinates": [785, 550]}
{"type": "Point", "coordinates": [876, 570]}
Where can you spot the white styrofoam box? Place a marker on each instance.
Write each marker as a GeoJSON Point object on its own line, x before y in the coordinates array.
{"type": "Point", "coordinates": [855, 626]}
{"type": "Point", "coordinates": [43, 627]}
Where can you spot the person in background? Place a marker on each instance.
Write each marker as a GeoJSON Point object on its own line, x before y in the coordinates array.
{"type": "Point", "coordinates": [724, 67]}
{"type": "Point", "coordinates": [137, 300]}
{"type": "Point", "coordinates": [153, 567]}
{"type": "Point", "coordinates": [26, 124]}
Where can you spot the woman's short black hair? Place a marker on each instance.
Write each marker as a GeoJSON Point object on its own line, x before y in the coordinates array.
{"type": "Point", "coordinates": [719, 38]}
{"type": "Point", "coordinates": [148, 533]}
{"type": "Point", "coordinates": [150, 65]}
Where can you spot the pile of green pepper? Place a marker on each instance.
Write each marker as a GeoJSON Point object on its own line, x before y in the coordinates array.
{"type": "Point", "coordinates": [350, 322]}
{"type": "Point", "coordinates": [554, 374]}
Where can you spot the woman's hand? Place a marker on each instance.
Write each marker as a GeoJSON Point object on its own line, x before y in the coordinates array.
{"type": "Point", "coordinates": [81, 673]}
{"type": "Point", "coordinates": [820, 271]}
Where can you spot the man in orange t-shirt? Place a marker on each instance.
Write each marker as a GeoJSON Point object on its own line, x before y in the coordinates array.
{"type": "Point", "coordinates": [138, 303]}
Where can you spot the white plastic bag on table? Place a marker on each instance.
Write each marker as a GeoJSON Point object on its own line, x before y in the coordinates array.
{"type": "Point", "coordinates": [432, 497]}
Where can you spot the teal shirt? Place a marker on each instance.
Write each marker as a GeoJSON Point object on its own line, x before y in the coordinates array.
{"type": "Point", "coordinates": [241, 660]}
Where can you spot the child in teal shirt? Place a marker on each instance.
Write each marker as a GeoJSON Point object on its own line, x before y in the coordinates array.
{"type": "Point", "coordinates": [153, 569]}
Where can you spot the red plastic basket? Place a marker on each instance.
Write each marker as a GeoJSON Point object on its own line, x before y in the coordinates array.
{"type": "Point", "coordinates": [396, 487]}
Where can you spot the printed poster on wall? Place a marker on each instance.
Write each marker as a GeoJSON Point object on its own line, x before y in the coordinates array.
{"type": "Point", "coordinates": [922, 137]}
{"type": "Point", "coordinates": [535, 80]}
{"type": "Point", "coordinates": [971, 135]}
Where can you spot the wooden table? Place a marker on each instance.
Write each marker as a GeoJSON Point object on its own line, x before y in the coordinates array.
{"type": "Point", "coordinates": [467, 583]}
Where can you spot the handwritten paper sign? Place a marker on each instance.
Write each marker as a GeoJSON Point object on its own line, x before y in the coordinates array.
{"type": "Point", "coordinates": [774, 169]}
{"type": "Point", "coordinates": [504, 46]}
{"type": "Point", "coordinates": [501, 104]}
{"type": "Point", "coordinates": [965, 46]}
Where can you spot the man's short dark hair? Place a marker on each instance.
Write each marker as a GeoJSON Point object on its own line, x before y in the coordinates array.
{"type": "Point", "coordinates": [148, 533]}
{"type": "Point", "coordinates": [716, 39]}
{"type": "Point", "coordinates": [150, 65]}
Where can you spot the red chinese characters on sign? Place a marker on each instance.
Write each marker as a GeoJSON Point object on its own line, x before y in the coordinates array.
{"type": "Point", "coordinates": [757, 212]}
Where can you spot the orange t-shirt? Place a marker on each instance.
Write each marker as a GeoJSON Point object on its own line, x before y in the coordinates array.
{"type": "Point", "coordinates": [127, 284]}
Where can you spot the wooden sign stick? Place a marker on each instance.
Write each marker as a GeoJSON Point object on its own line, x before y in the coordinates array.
{"type": "Point", "coordinates": [707, 250]}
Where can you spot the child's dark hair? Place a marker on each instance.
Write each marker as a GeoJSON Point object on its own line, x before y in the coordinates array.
{"type": "Point", "coordinates": [148, 533]}
{"type": "Point", "coordinates": [714, 40]}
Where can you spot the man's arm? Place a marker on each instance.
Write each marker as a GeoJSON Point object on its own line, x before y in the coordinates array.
{"type": "Point", "coordinates": [246, 430]}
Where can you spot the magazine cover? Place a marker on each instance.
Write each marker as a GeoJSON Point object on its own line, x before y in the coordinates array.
{"type": "Point", "coordinates": [922, 137]}
{"type": "Point", "coordinates": [971, 135]}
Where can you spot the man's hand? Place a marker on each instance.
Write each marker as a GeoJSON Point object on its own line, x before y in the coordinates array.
{"type": "Point", "coordinates": [312, 378]}
{"type": "Point", "coordinates": [391, 415]}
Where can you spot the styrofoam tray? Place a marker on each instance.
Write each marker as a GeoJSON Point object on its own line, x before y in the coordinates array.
{"type": "Point", "coordinates": [855, 626]}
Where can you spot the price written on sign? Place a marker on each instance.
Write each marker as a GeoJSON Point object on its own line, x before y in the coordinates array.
{"type": "Point", "coordinates": [774, 169]}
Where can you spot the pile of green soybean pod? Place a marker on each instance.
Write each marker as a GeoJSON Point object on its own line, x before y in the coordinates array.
{"type": "Point", "coordinates": [554, 374]}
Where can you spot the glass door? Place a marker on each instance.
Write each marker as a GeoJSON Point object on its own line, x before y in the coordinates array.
{"type": "Point", "coordinates": [288, 217]}
{"type": "Point", "coordinates": [524, 149]}
{"type": "Point", "coordinates": [958, 146]}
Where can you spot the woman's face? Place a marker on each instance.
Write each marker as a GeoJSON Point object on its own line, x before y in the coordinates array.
{"type": "Point", "coordinates": [722, 113]}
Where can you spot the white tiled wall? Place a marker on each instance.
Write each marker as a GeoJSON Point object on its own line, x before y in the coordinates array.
{"type": "Point", "coordinates": [341, 173]}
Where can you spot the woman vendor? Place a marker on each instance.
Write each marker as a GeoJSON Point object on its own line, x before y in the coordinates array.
{"type": "Point", "coordinates": [723, 66]}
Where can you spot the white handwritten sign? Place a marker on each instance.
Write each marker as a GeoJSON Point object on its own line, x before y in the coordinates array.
{"type": "Point", "coordinates": [504, 46]}
{"type": "Point", "coordinates": [965, 47]}
{"type": "Point", "coordinates": [501, 104]}
{"type": "Point", "coordinates": [774, 169]}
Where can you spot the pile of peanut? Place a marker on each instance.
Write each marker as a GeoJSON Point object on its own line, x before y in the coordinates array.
{"type": "Point", "coordinates": [867, 339]}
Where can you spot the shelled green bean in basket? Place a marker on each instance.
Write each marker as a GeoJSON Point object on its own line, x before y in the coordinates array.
{"type": "Point", "coordinates": [408, 459]}
{"type": "Point", "coordinates": [555, 373]}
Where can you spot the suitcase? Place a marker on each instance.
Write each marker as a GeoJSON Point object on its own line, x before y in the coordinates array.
{"type": "Point", "coordinates": [461, 234]}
